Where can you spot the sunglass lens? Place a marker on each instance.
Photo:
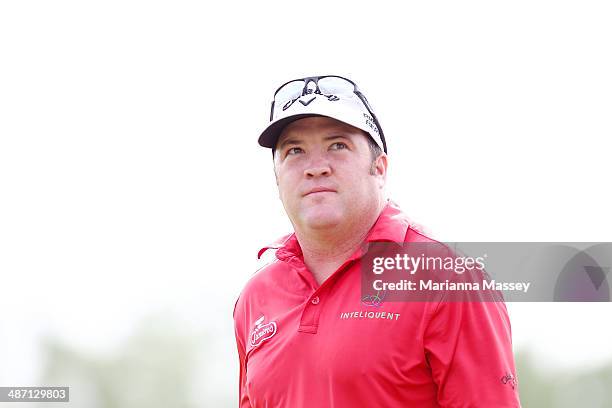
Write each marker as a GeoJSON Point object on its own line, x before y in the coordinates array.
{"type": "Point", "coordinates": [335, 85]}
{"type": "Point", "coordinates": [289, 91]}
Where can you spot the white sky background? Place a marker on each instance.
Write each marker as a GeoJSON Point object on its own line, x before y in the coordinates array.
{"type": "Point", "coordinates": [131, 181]}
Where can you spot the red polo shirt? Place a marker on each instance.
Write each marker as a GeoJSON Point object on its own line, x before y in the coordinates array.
{"type": "Point", "coordinates": [301, 344]}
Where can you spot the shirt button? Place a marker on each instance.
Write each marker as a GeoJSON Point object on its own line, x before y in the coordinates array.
{"type": "Point", "coordinates": [315, 300]}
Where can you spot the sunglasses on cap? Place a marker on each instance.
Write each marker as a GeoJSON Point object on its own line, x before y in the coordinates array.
{"type": "Point", "coordinates": [325, 85]}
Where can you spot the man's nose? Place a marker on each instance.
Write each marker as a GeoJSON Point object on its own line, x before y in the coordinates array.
{"type": "Point", "coordinates": [317, 168]}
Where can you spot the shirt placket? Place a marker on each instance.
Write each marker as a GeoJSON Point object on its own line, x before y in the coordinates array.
{"type": "Point", "coordinates": [309, 323]}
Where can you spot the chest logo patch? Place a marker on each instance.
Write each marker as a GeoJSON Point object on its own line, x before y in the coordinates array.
{"type": "Point", "coordinates": [262, 332]}
{"type": "Point", "coordinates": [374, 300]}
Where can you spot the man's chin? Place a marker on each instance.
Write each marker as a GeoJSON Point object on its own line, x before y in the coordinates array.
{"type": "Point", "coordinates": [321, 218]}
{"type": "Point", "coordinates": [322, 224]}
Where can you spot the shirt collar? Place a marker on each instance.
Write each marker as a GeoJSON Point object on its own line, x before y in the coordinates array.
{"type": "Point", "coordinates": [288, 242]}
{"type": "Point", "coordinates": [391, 226]}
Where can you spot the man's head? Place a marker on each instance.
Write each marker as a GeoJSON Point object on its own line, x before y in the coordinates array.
{"type": "Point", "coordinates": [327, 173]}
{"type": "Point", "coordinates": [329, 152]}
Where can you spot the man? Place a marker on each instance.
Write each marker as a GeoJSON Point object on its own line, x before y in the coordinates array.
{"type": "Point", "coordinates": [306, 336]}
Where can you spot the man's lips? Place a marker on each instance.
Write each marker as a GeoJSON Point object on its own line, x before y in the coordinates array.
{"type": "Point", "coordinates": [319, 190]}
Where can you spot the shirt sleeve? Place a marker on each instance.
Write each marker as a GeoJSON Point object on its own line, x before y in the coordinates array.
{"type": "Point", "coordinates": [243, 399]}
{"type": "Point", "coordinates": [468, 346]}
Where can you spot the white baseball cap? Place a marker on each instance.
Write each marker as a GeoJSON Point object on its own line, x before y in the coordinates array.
{"type": "Point", "coordinates": [329, 95]}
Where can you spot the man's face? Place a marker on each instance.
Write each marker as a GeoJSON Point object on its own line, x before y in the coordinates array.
{"type": "Point", "coordinates": [325, 173]}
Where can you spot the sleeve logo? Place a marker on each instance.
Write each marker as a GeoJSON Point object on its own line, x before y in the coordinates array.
{"type": "Point", "coordinates": [509, 379]}
{"type": "Point", "coordinates": [262, 332]}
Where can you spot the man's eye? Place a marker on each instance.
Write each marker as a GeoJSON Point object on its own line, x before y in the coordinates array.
{"type": "Point", "coordinates": [338, 146]}
{"type": "Point", "coordinates": [294, 150]}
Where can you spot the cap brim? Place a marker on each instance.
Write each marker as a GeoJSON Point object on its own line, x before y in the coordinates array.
{"type": "Point", "coordinates": [270, 135]}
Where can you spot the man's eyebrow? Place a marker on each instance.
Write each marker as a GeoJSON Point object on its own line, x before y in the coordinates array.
{"type": "Point", "coordinates": [288, 141]}
{"type": "Point", "coordinates": [336, 136]}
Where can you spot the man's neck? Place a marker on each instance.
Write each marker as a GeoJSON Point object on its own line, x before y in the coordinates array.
{"type": "Point", "coordinates": [325, 251]}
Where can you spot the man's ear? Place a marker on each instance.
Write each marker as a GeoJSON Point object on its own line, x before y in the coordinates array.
{"type": "Point", "coordinates": [379, 169]}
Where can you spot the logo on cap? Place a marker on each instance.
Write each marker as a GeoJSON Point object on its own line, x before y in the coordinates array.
{"type": "Point", "coordinates": [306, 103]}
{"type": "Point", "coordinates": [330, 97]}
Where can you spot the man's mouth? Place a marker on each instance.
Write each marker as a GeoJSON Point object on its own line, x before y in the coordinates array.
{"type": "Point", "coordinates": [318, 190]}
